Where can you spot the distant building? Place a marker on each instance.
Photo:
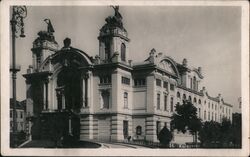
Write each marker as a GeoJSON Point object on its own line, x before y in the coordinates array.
{"type": "Point", "coordinates": [20, 115]}
{"type": "Point", "coordinates": [110, 96]}
{"type": "Point", "coordinates": [239, 100]}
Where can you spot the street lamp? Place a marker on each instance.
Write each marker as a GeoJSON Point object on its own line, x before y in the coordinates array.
{"type": "Point", "coordinates": [18, 14]}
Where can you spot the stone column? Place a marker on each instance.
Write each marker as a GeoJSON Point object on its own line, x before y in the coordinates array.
{"type": "Point", "coordinates": [82, 84]}
{"type": "Point", "coordinates": [88, 89]}
{"type": "Point", "coordinates": [85, 86]}
{"type": "Point", "coordinates": [86, 96]}
{"type": "Point", "coordinates": [46, 95]}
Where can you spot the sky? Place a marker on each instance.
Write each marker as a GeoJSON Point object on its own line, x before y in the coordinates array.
{"type": "Point", "coordinates": [207, 36]}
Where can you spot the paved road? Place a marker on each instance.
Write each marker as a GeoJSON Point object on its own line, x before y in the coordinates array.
{"type": "Point", "coordinates": [50, 144]}
{"type": "Point", "coordinates": [120, 145]}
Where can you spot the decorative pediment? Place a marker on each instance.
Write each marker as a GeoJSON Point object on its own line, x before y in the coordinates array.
{"type": "Point", "coordinates": [71, 57]}
{"type": "Point", "coordinates": [167, 66]}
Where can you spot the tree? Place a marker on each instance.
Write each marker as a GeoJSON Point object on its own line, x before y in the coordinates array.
{"type": "Point", "coordinates": [237, 129]}
{"type": "Point", "coordinates": [226, 132]}
{"type": "Point", "coordinates": [210, 134]}
{"type": "Point", "coordinates": [185, 119]}
{"type": "Point", "coordinates": [214, 134]}
{"type": "Point", "coordinates": [165, 136]}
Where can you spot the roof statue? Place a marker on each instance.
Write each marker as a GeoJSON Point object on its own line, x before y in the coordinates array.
{"type": "Point", "coordinates": [117, 14]}
{"type": "Point", "coordinates": [50, 28]}
{"type": "Point", "coordinates": [114, 21]}
{"type": "Point", "coordinates": [46, 35]}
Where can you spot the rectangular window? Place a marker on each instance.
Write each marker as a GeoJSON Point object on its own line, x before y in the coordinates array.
{"type": "Point", "coordinates": [11, 112]}
{"type": "Point", "coordinates": [105, 79]}
{"type": "Point", "coordinates": [125, 99]}
{"type": "Point", "coordinates": [158, 127]}
{"type": "Point", "coordinates": [191, 83]}
{"type": "Point", "coordinates": [166, 124]}
{"type": "Point", "coordinates": [140, 82]}
{"type": "Point", "coordinates": [165, 102]}
{"type": "Point", "coordinates": [208, 115]}
{"type": "Point", "coordinates": [125, 80]}
{"type": "Point", "coordinates": [171, 86]}
{"type": "Point", "coordinates": [158, 101]}
{"type": "Point", "coordinates": [172, 104]}
{"type": "Point", "coordinates": [158, 82]}
{"type": "Point", "coordinates": [38, 59]}
{"type": "Point", "coordinates": [205, 116]}
{"type": "Point", "coordinates": [125, 129]}
{"type": "Point", "coordinates": [199, 112]}
{"type": "Point", "coordinates": [105, 95]}
{"type": "Point", "coordinates": [165, 85]}
{"type": "Point", "coordinates": [21, 114]}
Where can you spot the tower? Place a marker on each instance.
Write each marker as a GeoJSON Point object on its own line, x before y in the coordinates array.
{"type": "Point", "coordinates": [44, 46]}
{"type": "Point", "coordinates": [113, 39]}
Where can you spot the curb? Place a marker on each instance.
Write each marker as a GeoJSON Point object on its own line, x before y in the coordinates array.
{"type": "Point", "coordinates": [24, 143]}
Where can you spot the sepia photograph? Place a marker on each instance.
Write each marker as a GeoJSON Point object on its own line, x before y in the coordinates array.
{"type": "Point", "coordinates": [97, 79]}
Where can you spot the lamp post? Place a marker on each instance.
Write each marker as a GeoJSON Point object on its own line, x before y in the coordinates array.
{"type": "Point", "coordinates": [18, 14]}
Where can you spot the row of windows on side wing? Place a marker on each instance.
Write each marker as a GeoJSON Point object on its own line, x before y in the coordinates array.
{"type": "Point", "coordinates": [137, 82]}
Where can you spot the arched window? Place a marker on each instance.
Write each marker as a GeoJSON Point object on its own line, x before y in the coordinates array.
{"type": "Point", "coordinates": [123, 52]}
{"type": "Point", "coordinates": [125, 99]}
{"type": "Point", "coordinates": [138, 130]}
{"type": "Point", "coordinates": [184, 96]}
{"type": "Point", "coordinates": [172, 104]}
{"type": "Point", "coordinates": [190, 98]}
{"type": "Point", "coordinates": [178, 95]}
{"type": "Point", "coordinates": [194, 83]}
{"type": "Point", "coordinates": [199, 101]}
{"type": "Point", "coordinates": [194, 100]}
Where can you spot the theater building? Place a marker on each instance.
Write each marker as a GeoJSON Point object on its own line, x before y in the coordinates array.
{"type": "Point", "coordinates": [109, 97]}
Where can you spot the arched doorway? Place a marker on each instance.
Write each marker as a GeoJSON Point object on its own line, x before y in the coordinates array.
{"type": "Point", "coordinates": [69, 100]}
{"type": "Point", "coordinates": [69, 89]}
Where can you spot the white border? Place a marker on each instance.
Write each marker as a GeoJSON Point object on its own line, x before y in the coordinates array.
{"type": "Point", "coordinates": [5, 84]}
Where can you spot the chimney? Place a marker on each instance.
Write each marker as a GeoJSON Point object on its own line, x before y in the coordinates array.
{"type": "Point", "coordinates": [184, 62]}
{"type": "Point", "coordinates": [152, 55]}
{"type": "Point", "coordinates": [200, 70]}
{"type": "Point", "coordinates": [130, 62]}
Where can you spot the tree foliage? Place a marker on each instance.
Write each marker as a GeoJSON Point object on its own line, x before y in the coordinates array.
{"type": "Point", "coordinates": [185, 119]}
{"type": "Point", "coordinates": [210, 134]}
{"type": "Point", "coordinates": [221, 135]}
{"type": "Point", "coordinates": [226, 132]}
{"type": "Point", "coordinates": [237, 130]}
{"type": "Point", "coordinates": [165, 136]}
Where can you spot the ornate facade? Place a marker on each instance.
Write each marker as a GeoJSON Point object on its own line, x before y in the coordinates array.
{"type": "Point", "coordinates": [108, 97]}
